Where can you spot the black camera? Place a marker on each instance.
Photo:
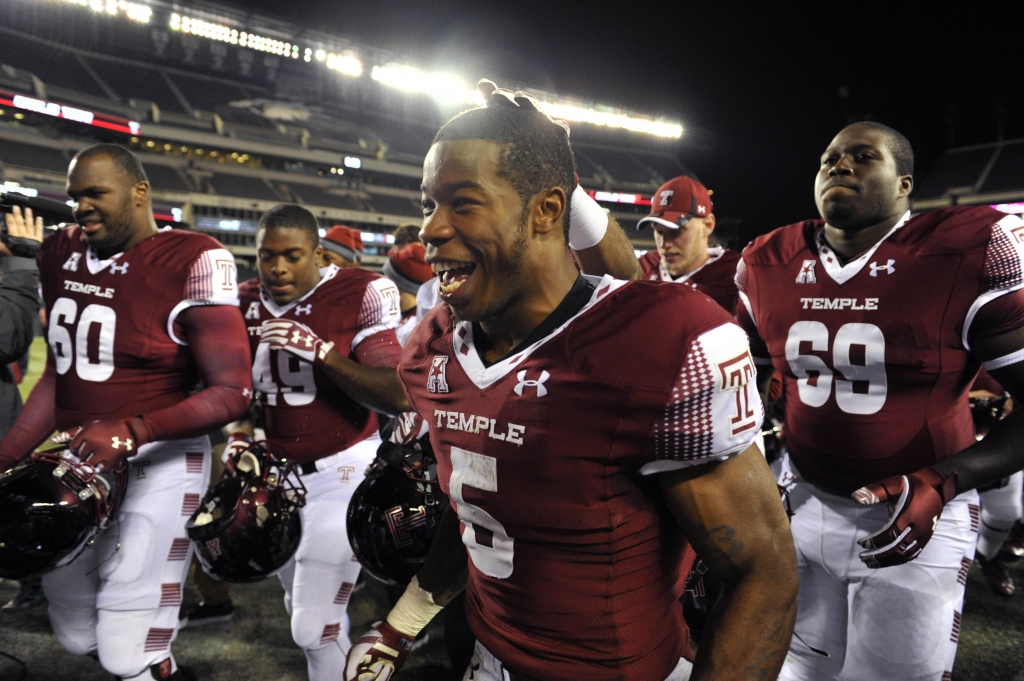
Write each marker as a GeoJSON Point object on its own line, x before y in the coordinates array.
{"type": "Point", "coordinates": [54, 214]}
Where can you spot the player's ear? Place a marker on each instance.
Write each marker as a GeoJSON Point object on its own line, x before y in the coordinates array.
{"type": "Point", "coordinates": [709, 224]}
{"type": "Point", "coordinates": [906, 185]}
{"type": "Point", "coordinates": [548, 208]}
{"type": "Point", "coordinates": [140, 193]}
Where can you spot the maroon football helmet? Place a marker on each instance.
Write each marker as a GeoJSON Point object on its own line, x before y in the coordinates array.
{"type": "Point", "coordinates": [51, 507]}
{"type": "Point", "coordinates": [248, 525]}
{"type": "Point", "coordinates": [394, 512]}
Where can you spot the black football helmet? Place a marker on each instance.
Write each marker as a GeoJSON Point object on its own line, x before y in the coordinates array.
{"type": "Point", "coordinates": [394, 512]}
{"type": "Point", "coordinates": [51, 508]}
{"type": "Point", "coordinates": [248, 525]}
{"type": "Point", "coordinates": [986, 412]}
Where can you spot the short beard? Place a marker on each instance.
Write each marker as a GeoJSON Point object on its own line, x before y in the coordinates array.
{"type": "Point", "coordinates": [119, 231]}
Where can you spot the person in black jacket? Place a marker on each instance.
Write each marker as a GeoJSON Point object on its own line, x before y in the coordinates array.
{"type": "Point", "coordinates": [19, 307]}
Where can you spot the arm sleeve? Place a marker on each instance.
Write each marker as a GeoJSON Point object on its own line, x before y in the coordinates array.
{"type": "Point", "coordinates": [35, 422]}
{"type": "Point", "coordinates": [999, 306]}
{"type": "Point", "coordinates": [382, 349]}
{"type": "Point", "coordinates": [212, 280]}
{"type": "Point", "coordinates": [745, 315]}
{"type": "Point", "coordinates": [380, 310]}
{"type": "Point", "coordinates": [220, 349]}
{"type": "Point", "coordinates": [19, 305]}
{"type": "Point", "coordinates": [715, 411]}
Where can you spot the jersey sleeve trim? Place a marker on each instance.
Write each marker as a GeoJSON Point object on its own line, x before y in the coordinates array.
{"type": "Point", "coordinates": [1004, 268]}
{"type": "Point", "coordinates": [714, 411]}
{"type": "Point", "coordinates": [380, 310]}
{"type": "Point", "coordinates": [212, 280]}
{"type": "Point", "coordinates": [1004, 361]}
{"type": "Point", "coordinates": [186, 304]}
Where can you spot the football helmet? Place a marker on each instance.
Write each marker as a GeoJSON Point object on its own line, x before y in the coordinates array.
{"type": "Point", "coordinates": [986, 412]}
{"type": "Point", "coordinates": [248, 525]}
{"type": "Point", "coordinates": [51, 508]}
{"type": "Point", "coordinates": [394, 512]}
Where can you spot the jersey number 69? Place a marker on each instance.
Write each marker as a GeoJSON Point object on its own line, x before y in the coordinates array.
{"type": "Point", "coordinates": [858, 354]}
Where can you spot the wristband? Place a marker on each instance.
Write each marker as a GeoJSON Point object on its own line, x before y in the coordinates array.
{"type": "Point", "coordinates": [587, 221]}
{"type": "Point", "coordinates": [413, 611]}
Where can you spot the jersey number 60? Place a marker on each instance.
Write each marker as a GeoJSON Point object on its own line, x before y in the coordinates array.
{"type": "Point", "coordinates": [97, 365]}
{"type": "Point", "coordinates": [858, 354]}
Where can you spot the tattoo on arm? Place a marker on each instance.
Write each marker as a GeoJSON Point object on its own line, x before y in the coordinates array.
{"type": "Point", "coordinates": [715, 546]}
{"type": "Point", "coordinates": [776, 643]}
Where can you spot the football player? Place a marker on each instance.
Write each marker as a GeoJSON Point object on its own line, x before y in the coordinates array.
{"type": "Point", "coordinates": [878, 322]}
{"type": "Point", "coordinates": [682, 221]}
{"type": "Point", "coordinates": [304, 322]}
{"type": "Point", "coordinates": [576, 462]}
{"type": "Point", "coordinates": [136, 316]}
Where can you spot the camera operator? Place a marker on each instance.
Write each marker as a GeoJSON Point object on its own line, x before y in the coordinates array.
{"type": "Point", "coordinates": [19, 306]}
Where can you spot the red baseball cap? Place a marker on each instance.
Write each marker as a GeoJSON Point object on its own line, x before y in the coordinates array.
{"type": "Point", "coordinates": [345, 241]}
{"type": "Point", "coordinates": [408, 268]}
{"type": "Point", "coordinates": [678, 198]}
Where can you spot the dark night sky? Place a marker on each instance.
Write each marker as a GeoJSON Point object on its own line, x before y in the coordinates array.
{"type": "Point", "coordinates": [756, 86]}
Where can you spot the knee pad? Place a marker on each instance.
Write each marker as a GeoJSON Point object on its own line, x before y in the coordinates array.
{"type": "Point", "coordinates": [74, 628]}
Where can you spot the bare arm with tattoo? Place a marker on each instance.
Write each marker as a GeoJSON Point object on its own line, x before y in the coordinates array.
{"type": "Point", "coordinates": [731, 515]}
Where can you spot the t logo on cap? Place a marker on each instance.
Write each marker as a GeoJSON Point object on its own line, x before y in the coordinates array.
{"type": "Point", "coordinates": [666, 197]}
{"type": "Point", "coordinates": [677, 201]}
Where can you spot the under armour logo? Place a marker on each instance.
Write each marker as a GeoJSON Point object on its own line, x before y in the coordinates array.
{"type": "Point", "coordinates": [304, 309]}
{"type": "Point", "coordinates": [246, 393]}
{"type": "Point", "coordinates": [887, 268]}
{"type": "Point", "coordinates": [701, 210]}
{"type": "Point", "coordinates": [72, 262]}
{"type": "Point", "coordinates": [666, 196]}
{"type": "Point", "coordinates": [253, 312]}
{"type": "Point", "coordinates": [437, 381]}
{"type": "Point", "coordinates": [122, 269]}
{"type": "Point", "coordinates": [538, 384]}
{"type": "Point", "coordinates": [117, 442]}
{"type": "Point", "coordinates": [806, 275]}
{"type": "Point", "coordinates": [297, 338]}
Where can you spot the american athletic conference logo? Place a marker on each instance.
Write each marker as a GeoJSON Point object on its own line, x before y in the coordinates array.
{"type": "Point", "coordinates": [437, 379]}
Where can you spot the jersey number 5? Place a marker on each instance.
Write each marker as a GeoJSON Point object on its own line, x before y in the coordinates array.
{"type": "Point", "coordinates": [92, 355]}
{"type": "Point", "coordinates": [489, 546]}
{"type": "Point", "coordinates": [858, 354]}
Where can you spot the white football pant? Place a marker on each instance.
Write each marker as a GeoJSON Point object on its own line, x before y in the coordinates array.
{"type": "Point", "coordinates": [121, 596]}
{"type": "Point", "coordinates": [319, 579]}
{"type": "Point", "coordinates": [898, 623]}
{"type": "Point", "coordinates": [1001, 508]}
{"type": "Point", "coordinates": [486, 667]}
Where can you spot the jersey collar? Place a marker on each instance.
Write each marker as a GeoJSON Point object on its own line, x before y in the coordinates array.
{"type": "Point", "coordinates": [714, 253]}
{"type": "Point", "coordinates": [96, 265]}
{"type": "Point", "coordinates": [843, 273]}
{"type": "Point", "coordinates": [326, 274]}
{"type": "Point", "coordinates": [484, 377]}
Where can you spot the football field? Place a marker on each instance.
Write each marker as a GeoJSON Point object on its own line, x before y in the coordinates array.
{"type": "Point", "coordinates": [256, 644]}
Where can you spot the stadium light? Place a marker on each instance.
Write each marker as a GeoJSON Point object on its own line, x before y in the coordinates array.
{"type": "Point", "coordinates": [353, 162]}
{"type": "Point", "coordinates": [346, 63]}
{"type": "Point", "coordinates": [444, 87]}
{"type": "Point", "coordinates": [226, 34]}
{"type": "Point", "coordinates": [133, 10]}
{"type": "Point", "coordinates": [572, 113]}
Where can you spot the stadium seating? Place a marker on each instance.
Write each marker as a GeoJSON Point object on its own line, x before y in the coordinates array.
{"type": "Point", "coordinates": [31, 156]}
{"type": "Point", "coordinates": [1007, 173]}
{"type": "Point", "coordinates": [316, 196]}
{"type": "Point", "coordinates": [166, 178]}
{"type": "Point", "coordinates": [958, 170]}
{"type": "Point", "coordinates": [395, 205]}
{"type": "Point", "coordinates": [245, 187]}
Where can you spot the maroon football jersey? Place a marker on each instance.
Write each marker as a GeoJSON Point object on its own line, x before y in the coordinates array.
{"type": "Point", "coordinates": [111, 328]}
{"type": "Point", "coordinates": [574, 560]}
{"type": "Point", "coordinates": [716, 278]}
{"type": "Point", "coordinates": [306, 416]}
{"type": "Point", "coordinates": [875, 354]}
